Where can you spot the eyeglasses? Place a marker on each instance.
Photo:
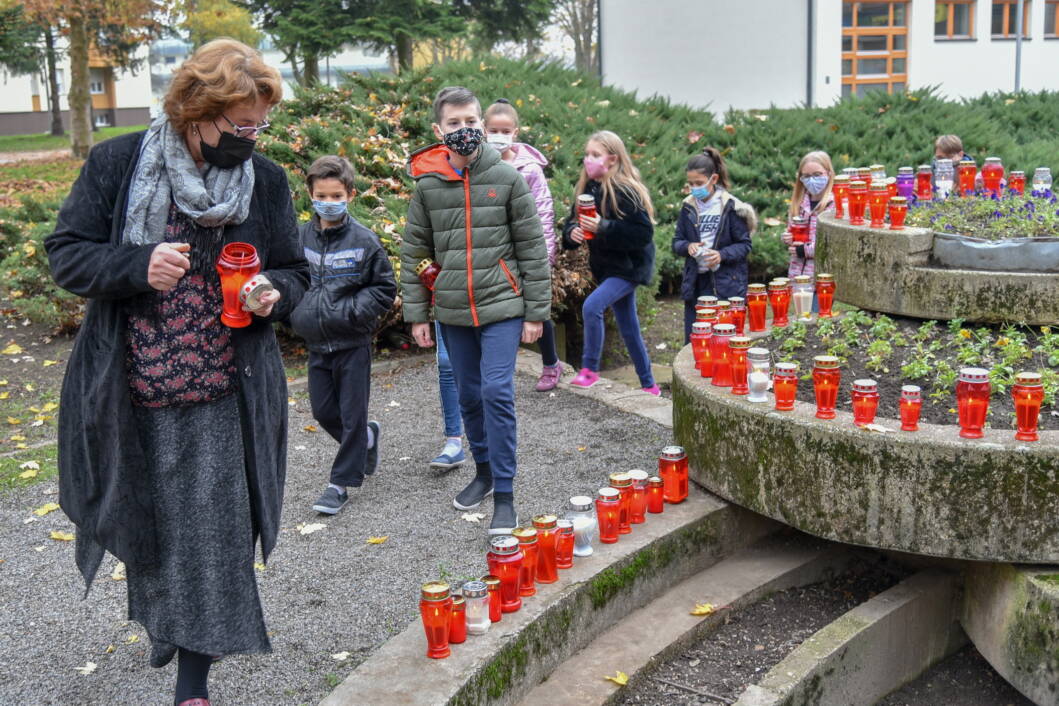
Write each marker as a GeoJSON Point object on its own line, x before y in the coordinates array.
{"type": "Point", "coordinates": [250, 131]}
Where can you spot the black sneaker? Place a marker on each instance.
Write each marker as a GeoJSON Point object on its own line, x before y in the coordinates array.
{"type": "Point", "coordinates": [331, 501]}
{"type": "Point", "coordinates": [371, 461]}
{"type": "Point", "coordinates": [472, 496]}
{"type": "Point", "coordinates": [505, 519]}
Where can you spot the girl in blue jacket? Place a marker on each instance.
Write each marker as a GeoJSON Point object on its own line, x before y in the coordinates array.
{"type": "Point", "coordinates": [713, 235]}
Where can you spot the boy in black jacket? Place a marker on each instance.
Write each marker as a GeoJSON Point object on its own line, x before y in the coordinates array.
{"type": "Point", "coordinates": [351, 286]}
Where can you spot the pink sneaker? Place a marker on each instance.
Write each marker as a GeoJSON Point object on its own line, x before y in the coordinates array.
{"type": "Point", "coordinates": [652, 390]}
{"type": "Point", "coordinates": [585, 378]}
{"type": "Point", "coordinates": [549, 377]}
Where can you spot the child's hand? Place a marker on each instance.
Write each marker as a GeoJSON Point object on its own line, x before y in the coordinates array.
{"type": "Point", "coordinates": [421, 335]}
{"type": "Point", "coordinates": [531, 331]}
{"type": "Point", "coordinates": [787, 238]}
{"type": "Point", "coordinates": [589, 223]}
{"type": "Point", "coordinates": [577, 235]}
{"type": "Point", "coordinates": [693, 249]}
{"type": "Point", "coordinates": [712, 258]}
{"type": "Point", "coordinates": [792, 249]}
{"type": "Point", "coordinates": [268, 300]}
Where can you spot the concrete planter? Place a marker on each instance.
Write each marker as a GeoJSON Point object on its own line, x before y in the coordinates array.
{"type": "Point", "coordinates": [962, 252]}
{"type": "Point", "coordinates": [928, 492]}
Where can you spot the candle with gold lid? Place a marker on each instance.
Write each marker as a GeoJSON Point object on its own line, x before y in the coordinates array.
{"type": "Point", "coordinates": [564, 544]}
{"type": "Point", "coordinates": [865, 401]}
{"type": "Point", "coordinates": [435, 609]}
{"type": "Point", "coordinates": [878, 197]}
{"type": "Point", "coordinates": [966, 171]}
{"type": "Point", "coordinates": [1028, 394]}
{"type": "Point", "coordinates": [779, 302]}
{"type": "Point", "coordinates": [608, 509]}
{"type": "Point", "coordinates": [840, 190]}
{"type": "Point", "coordinates": [529, 544]}
{"type": "Point", "coordinates": [638, 503]}
{"type": "Point", "coordinates": [737, 351]}
{"type": "Point", "coordinates": [458, 625]}
{"type": "Point", "coordinates": [910, 406]}
{"type": "Point", "coordinates": [546, 536]}
{"type": "Point", "coordinates": [898, 212]}
{"type": "Point", "coordinates": [505, 561]}
{"type": "Point", "coordinates": [655, 495]}
{"type": "Point", "coordinates": [738, 306]}
{"type": "Point", "coordinates": [826, 375]}
{"type": "Point", "coordinates": [972, 401]}
{"type": "Point", "coordinates": [492, 583]}
{"type": "Point", "coordinates": [621, 482]}
{"type": "Point", "coordinates": [825, 294]}
{"type": "Point", "coordinates": [756, 303]}
{"type": "Point", "coordinates": [858, 199]}
{"type": "Point", "coordinates": [785, 385]}
{"type": "Point", "coordinates": [701, 332]}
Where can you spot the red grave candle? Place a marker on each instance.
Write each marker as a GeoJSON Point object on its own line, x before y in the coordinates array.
{"type": "Point", "coordinates": [992, 175]}
{"type": "Point", "coordinates": [706, 301]}
{"type": "Point", "coordinates": [825, 294]}
{"type": "Point", "coordinates": [865, 401]}
{"type": "Point", "coordinates": [586, 206]}
{"type": "Point", "coordinates": [638, 501]}
{"type": "Point", "coordinates": [564, 544]}
{"type": "Point", "coordinates": [785, 385]}
{"type": "Point", "coordinates": [891, 186]}
{"type": "Point", "coordinates": [966, 171]}
{"type": "Point", "coordinates": [237, 263]}
{"type": "Point", "coordinates": [528, 543]}
{"type": "Point", "coordinates": [623, 484]}
{"type": "Point", "coordinates": [738, 305]}
{"type": "Point", "coordinates": [898, 211]}
{"type": "Point", "coordinates": [435, 608]}
{"type": "Point", "coordinates": [673, 470]}
{"type": "Point", "coordinates": [1028, 394]}
{"type": "Point", "coordinates": [608, 508]}
{"type": "Point", "coordinates": [655, 495]}
{"type": "Point", "coordinates": [924, 183]}
{"type": "Point", "coordinates": [910, 406]}
{"type": "Point", "coordinates": [858, 200]}
{"type": "Point", "coordinates": [878, 197]}
{"type": "Point", "coordinates": [799, 228]}
{"type": "Point", "coordinates": [492, 583]}
{"type": "Point", "coordinates": [505, 559]}
{"type": "Point", "coordinates": [737, 348]}
{"type": "Point", "coordinates": [840, 190]}
{"type": "Point", "coordinates": [756, 304]}
{"type": "Point", "coordinates": [826, 376]}
{"type": "Point", "coordinates": [1017, 182]}
{"type": "Point", "coordinates": [427, 270]}
{"type": "Point", "coordinates": [720, 354]}
{"type": "Point", "coordinates": [547, 534]}
{"type": "Point", "coordinates": [458, 624]}
{"type": "Point", "coordinates": [972, 401]}
{"type": "Point", "coordinates": [701, 333]}
{"type": "Point", "coordinates": [780, 303]}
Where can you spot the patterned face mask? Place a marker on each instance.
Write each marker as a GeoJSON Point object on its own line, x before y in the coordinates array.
{"type": "Point", "coordinates": [464, 141]}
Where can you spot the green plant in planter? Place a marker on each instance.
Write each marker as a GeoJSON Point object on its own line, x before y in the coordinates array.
{"type": "Point", "coordinates": [1034, 215]}
{"type": "Point", "coordinates": [879, 351]}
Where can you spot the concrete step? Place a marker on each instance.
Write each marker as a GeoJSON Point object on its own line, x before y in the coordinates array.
{"type": "Point", "coordinates": [663, 626]}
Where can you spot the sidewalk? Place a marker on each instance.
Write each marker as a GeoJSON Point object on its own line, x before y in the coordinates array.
{"type": "Point", "coordinates": [327, 592]}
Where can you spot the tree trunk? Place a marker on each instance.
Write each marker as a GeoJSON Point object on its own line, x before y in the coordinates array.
{"type": "Point", "coordinates": [404, 52]}
{"type": "Point", "coordinates": [53, 84]}
{"type": "Point", "coordinates": [292, 59]}
{"type": "Point", "coordinates": [310, 69]}
{"type": "Point", "coordinates": [79, 97]}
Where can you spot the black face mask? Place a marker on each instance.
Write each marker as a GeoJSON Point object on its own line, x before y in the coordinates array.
{"type": "Point", "coordinates": [230, 151]}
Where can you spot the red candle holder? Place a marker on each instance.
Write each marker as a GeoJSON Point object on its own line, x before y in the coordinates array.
{"type": "Point", "coordinates": [911, 405]}
{"type": "Point", "coordinates": [586, 206]}
{"type": "Point", "coordinates": [719, 354]}
{"type": "Point", "coordinates": [840, 190]}
{"type": "Point", "coordinates": [655, 495]}
{"type": "Point", "coordinates": [972, 401]}
{"type": "Point", "coordinates": [898, 212]}
{"type": "Point", "coordinates": [638, 499]}
{"type": "Point", "coordinates": [237, 263]}
{"type": "Point", "coordinates": [505, 559]}
{"type": "Point", "coordinates": [492, 584]}
{"type": "Point", "coordinates": [458, 625]}
{"type": "Point", "coordinates": [724, 312]}
{"type": "Point", "coordinates": [1028, 394]}
{"type": "Point", "coordinates": [756, 303]}
{"type": "Point", "coordinates": [924, 183]}
{"type": "Point", "coordinates": [992, 175]}
{"type": "Point", "coordinates": [528, 543]}
{"type": "Point", "coordinates": [865, 401]}
{"type": "Point", "coordinates": [738, 306]}
{"type": "Point", "coordinates": [858, 200]}
{"type": "Point", "coordinates": [1017, 182]}
{"type": "Point", "coordinates": [701, 331]}
{"type": "Point", "coordinates": [826, 376]}
{"type": "Point", "coordinates": [966, 171]}
{"type": "Point", "coordinates": [878, 196]}
{"type": "Point", "coordinates": [547, 534]}
{"type": "Point", "coordinates": [825, 294]}
{"type": "Point", "coordinates": [785, 385]}
{"type": "Point", "coordinates": [608, 509]}
{"type": "Point", "coordinates": [427, 270]}
{"type": "Point", "coordinates": [435, 608]}
{"type": "Point", "coordinates": [799, 229]}
{"type": "Point", "coordinates": [673, 470]}
{"type": "Point", "coordinates": [564, 544]}
{"type": "Point", "coordinates": [737, 348]}
{"type": "Point", "coordinates": [779, 302]}
{"type": "Point", "coordinates": [623, 484]}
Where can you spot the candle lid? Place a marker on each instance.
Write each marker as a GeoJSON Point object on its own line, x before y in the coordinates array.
{"type": "Point", "coordinates": [722, 305]}
{"type": "Point", "coordinates": [423, 265]}
{"type": "Point", "coordinates": [581, 503]}
{"type": "Point", "coordinates": [475, 589]}
{"type": "Point", "coordinates": [609, 495]}
{"type": "Point", "coordinates": [974, 375]}
{"type": "Point", "coordinates": [799, 221]}
{"type": "Point", "coordinates": [876, 167]}
{"type": "Point", "coordinates": [904, 170]}
{"type": "Point", "coordinates": [898, 201]}
{"type": "Point", "coordinates": [864, 385]}
{"type": "Point", "coordinates": [736, 302]}
{"type": "Point", "coordinates": [803, 279]}
{"type": "Point", "coordinates": [638, 476]}
{"type": "Point", "coordinates": [784, 280]}
{"type": "Point", "coordinates": [911, 392]}
{"type": "Point", "coordinates": [505, 544]}
{"type": "Point", "coordinates": [724, 329]}
{"type": "Point", "coordinates": [673, 453]}
{"type": "Point", "coordinates": [925, 168]}
{"type": "Point", "coordinates": [565, 526]}
{"type": "Point", "coordinates": [775, 286]}
{"type": "Point", "coordinates": [434, 591]}
{"type": "Point", "coordinates": [879, 185]}
{"type": "Point", "coordinates": [525, 535]}
{"type": "Point", "coordinates": [825, 277]}
{"type": "Point", "coordinates": [1042, 170]}
{"type": "Point", "coordinates": [1018, 173]}
{"type": "Point", "coordinates": [1028, 378]}
{"type": "Point", "coordinates": [655, 481]}
{"type": "Point", "coordinates": [858, 185]}
{"type": "Point", "coordinates": [786, 369]}
{"type": "Point", "coordinates": [702, 328]}
{"type": "Point", "coordinates": [758, 352]}
{"type": "Point", "coordinates": [706, 315]}
{"type": "Point", "coordinates": [739, 342]}
{"type": "Point", "coordinates": [491, 581]}
{"type": "Point", "coordinates": [863, 170]}
{"type": "Point", "coordinates": [755, 288]}
{"type": "Point", "coordinates": [842, 178]}
{"type": "Point", "coordinates": [545, 521]}
{"type": "Point", "coordinates": [586, 199]}
{"type": "Point", "coordinates": [620, 479]}
{"type": "Point", "coordinates": [459, 602]}
{"type": "Point", "coordinates": [826, 361]}
{"type": "Point", "coordinates": [992, 160]}
{"type": "Point", "coordinates": [706, 300]}
{"type": "Point", "coordinates": [966, 162]}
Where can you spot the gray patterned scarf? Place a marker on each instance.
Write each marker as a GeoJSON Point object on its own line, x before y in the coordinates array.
{"type": "Point", "coordinates": [167, 173]}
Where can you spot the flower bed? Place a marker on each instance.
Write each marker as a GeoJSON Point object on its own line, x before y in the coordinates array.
{"type": "Point", "coordinates": [896, 352]}
{"type": "Point", "coordinates": [1035, 215]}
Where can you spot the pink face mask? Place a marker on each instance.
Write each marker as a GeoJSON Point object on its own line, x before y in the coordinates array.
{"type": "Point", "coordinates": [595, 168]}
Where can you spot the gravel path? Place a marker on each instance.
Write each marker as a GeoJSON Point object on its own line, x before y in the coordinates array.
{"type": "Point", "coordinates": [324, 593]}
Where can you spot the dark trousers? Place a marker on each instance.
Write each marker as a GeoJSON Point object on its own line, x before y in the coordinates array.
{"type": "Point", "coordinates": [483, 359]}
{"type": "Point", "coordinates": [703, 287]}
{"type": "Point", "coordinates": [339, 387]}
{"type": "Point", "coordinates": [549, 355]}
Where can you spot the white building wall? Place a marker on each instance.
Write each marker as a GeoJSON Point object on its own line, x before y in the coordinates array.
{"type": "Point", "coordinates": [708, 53]}
{"type": "Point", "coordinates": [133, 89]}
{"type": "Point", "coordinates": [827, 60]}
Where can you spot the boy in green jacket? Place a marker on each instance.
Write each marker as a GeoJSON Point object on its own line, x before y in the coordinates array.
{"type": "Point", "coordinates": [474, 215]}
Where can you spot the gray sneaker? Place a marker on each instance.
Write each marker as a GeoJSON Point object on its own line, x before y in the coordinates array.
{"type": "Point", "coordinates": [331, 501]}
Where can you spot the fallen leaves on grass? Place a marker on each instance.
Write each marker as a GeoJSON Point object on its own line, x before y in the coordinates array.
{"type": "Point", "coordinates": [30, 469]}
{"type": "Point", "coordinates": [12, 349]}
{"type": "Point", "coordinates": [45, 509]}
{"type": "Point", "coordinates": [377, 540]}
{"type": "Point", "coordinates": [62, 536]}
{"type": "Point", "coordinates": [473, 516]}
{"type": "Point", "coordinates": [49, 363]}
{"type": "Point", "coordinates": [310, 528]}
{"type": "Point", "coordinates": [4, 395]}
{"type": "Point", "coordinates": [87, 669]}
{"type": "Point", "coordinates": [49, 407]}
{"type": "Point", "coordinates": [620, 678]}
{"type": "Point", "coordinates": [14, 421]}
{"type": "Point", "coordinates": [703, 609]}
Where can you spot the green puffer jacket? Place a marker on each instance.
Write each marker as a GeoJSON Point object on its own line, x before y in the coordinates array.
{"type": "Point", "coordinates": [483, 230]}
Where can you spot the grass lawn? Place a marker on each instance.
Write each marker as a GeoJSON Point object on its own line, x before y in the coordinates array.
{"type": "Point", "coordinates": [44, 141]}
{"type": "Point", "coordinates": [35, 464]}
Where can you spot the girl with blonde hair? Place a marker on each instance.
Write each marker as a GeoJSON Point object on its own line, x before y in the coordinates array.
{"type": "Point", "coordinates": [621, 251]}
{"type": "Point", "coordinates": [810, 197]}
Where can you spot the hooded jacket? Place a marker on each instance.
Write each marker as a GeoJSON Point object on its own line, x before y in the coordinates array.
{"type": "Point", "coordinates": [351, 286]}
{"type": "Point", "coordinates": [481, 227]}
{"type": "Point", "coordinates": [738, 223]}
{"type": "Point", "coordinates": [530, 164]}
{"type": "Point", "coordinates": [623, 246]}
{"type": "Point", "coordinates": [803, 260]}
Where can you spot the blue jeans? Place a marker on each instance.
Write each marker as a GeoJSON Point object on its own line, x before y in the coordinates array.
{"type": "Point", "coordinates": [450, 398]}
{"type": "Point", "coordinates": [620, 295]}
{"type": "Point", "coordinates": [483, 359]}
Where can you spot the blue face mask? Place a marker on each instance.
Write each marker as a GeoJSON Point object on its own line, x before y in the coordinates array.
{"type": "Point", "coordinates": [815, 185]}
{"type": "Point", "coordinates": [330, 210]}
{"type": "Point", "coordinates": [702, 193]}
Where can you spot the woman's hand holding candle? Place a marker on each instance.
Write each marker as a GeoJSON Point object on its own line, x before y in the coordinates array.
{"type": "Point", "coordinates": [169, 262]}
{"type": "Point", "coordinates": [267, 300]}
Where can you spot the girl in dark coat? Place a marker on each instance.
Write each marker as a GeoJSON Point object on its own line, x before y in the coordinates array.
{"type": "Point", "coordinates": [172, 429]}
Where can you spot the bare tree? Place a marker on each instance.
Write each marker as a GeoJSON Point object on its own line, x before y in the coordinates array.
{"type": "Point", "coordinates": [577, 19]}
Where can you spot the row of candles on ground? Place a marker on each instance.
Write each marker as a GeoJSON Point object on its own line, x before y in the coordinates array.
{"type": "Point", "coordinates": [729, 361]}
{"type": "Point", "coordinates": [866, 191]}
{"type": "Point", "coordinates": [750, 313]}
{"type": "Point", "coordinates": [532, 555]}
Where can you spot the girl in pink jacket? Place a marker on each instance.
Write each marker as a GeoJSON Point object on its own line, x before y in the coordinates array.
{"type": "Point", "coordinates": [811, 197]}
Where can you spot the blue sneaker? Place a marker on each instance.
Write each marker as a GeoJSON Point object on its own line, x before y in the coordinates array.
{"type": "Point", "coordinates": [450, 457]}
